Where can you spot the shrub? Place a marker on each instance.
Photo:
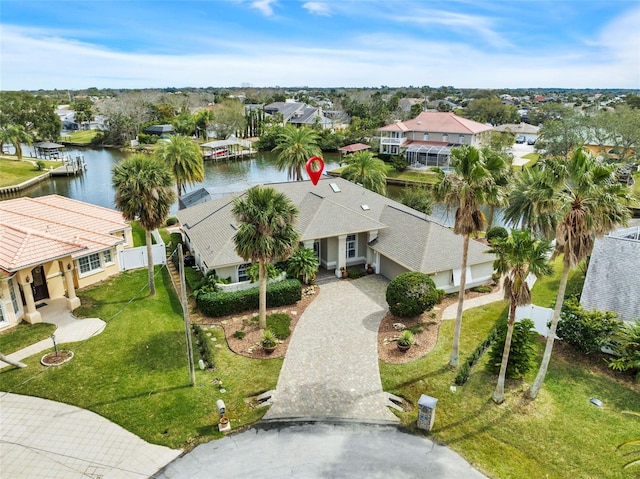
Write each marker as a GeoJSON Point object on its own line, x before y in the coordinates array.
{"type": "Point", "coordinates": [587, 331]}
{"type": "Point", "coordinates": [253, 272]}
{"type": "Point", "coordinates": [171, 220]}
{"type": "Point", "coordinates": [239, 334]}
{"type": "Point", "coordinates": [482, 289]}
{"type": "Point", "coordinates": [626, 346]}
{"type": "Point", "coordinates": [419, 198]}
{"type": "Point", "coordinates": [303, 265]}
{"type": "Point", "coordinates": [202, 341]}
{"type": "Point", "coordinates": [268, 339]}
{"type": "Point", "coordinates": [280, 324]}
{"type": "Point", "coordinates": [465, 369]}
{"type": "Point", "coordinates": [406, 338]}
{"type": "Point", "coordinates": [412, 293]}
{"type": "Point", "coordinates": [219, 304]}
{"type": "Point", "coordinates": [399, 163]}
{"type": "Point", "coordinates": [40, 165]}
{"type": "Point", "coordinates": [355, 273]}
{"type": "Point", "coordinates": [522, 351]}
{"type": "Point", "coordinates": [496, 232]}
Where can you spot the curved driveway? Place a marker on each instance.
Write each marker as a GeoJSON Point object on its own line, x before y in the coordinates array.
{"type": "Point", "coordinates": [331, 367]}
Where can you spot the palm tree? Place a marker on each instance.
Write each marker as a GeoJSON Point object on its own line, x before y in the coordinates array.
{"type": "Point", "coordinates": [500, 167]}
{"type": "Point", "coordinates": [465, 190]}
{"type": "Point", "coordinates": [295, 147]}
{"type": "Point", "coordinates": [144, 192]}
{"type": "Point", "coordinates": [578, 199]}
{"type": "Point", "coordinates": [266, 233]}
{"type": "Point", "coordinates": [184, 158]}
{"type": "Point", "coordinates": [16, 135]}
{"type": "Point", "coordinates": [517, 256]}
{"type": "Point", "coordinates": [364, 168]}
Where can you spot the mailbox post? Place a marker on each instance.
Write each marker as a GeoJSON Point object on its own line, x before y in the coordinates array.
{"type": "Point", "coordinates": [426, 412]}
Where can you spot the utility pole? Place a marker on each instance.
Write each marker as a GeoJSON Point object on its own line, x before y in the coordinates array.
{"type": "Point", "coordinates": [185, 315]}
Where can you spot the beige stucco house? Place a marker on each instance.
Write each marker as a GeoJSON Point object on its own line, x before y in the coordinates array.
{"type": "Point", "coordinates": [49, 247]}
{"type": "Point", "coordinates": [346, 225]}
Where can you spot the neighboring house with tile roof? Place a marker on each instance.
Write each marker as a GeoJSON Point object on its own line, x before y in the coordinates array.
{"type": "Point", "coordinates": [612, 282]}
{"type": "Point", "coordinates": [299, 114]}
{"type": "Point", "coordinates": [428, 138]}
{"type": "Point", "coordinates": [346, 225]}
{"type": "Point", "coordinates": [49, 247]}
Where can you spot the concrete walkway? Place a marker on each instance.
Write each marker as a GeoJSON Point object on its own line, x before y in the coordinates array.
{"type": "Point", "coordinates": [331, 369]}
{"type": "Point", "coordinates": [69, 329]}
{"type": "Point", "coordinates": [451, 310]}
{"type": "Point", "coordinates": [47, 439]}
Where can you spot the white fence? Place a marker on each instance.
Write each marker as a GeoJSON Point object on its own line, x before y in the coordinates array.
{"type": "Point", "coordinates": [134, 258]}
{"type": "Point", "coordinates": [539, 315]}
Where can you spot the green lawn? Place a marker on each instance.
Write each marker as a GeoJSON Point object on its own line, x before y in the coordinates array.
{"type": "Point", "coordinates": [81, 136]}
{"type": "Point", "coordinates": [635, 189]}
{"type": "Point", "coordinates": [135, 372]}
{"type": "Point", "coordinates": [428, 176]}
{"type": "Point", "coordinates": [14, 172]}
{"type": "Point", "coordinates": [559, 435]}
{"type": "Point", "coordinates": [23, 335]}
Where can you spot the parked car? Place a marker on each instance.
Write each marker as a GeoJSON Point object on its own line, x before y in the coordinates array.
{"type": "Point", "coordinates": [531, 141]}
{"type": "Point", "coordinates": [521, 139]}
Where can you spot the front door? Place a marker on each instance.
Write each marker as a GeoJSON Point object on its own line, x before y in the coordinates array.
{"type": "Point", "coordinates": [39, 284]}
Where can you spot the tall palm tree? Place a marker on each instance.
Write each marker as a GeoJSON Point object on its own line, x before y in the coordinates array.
{"type": "Point", "coordinates": [516, 256]}
{"type": "Point", "coordinates": [144, 192]}
{"type": "Point", "coordinates": [500, 167]}
{"type": "Point", "coordinates": [578, 199]}
{"type": "Point", "coordinates": [295, 147]}
{"type": "Point", "coordinates": [16, 135]}
{"type": "Point", "coordinates": [465, 190]}
{"type": "Point", "coordinates": [184, 158]}
{"type": "Point", "coordinates": [266, 233]}
{"type": "Point", "coordinates": [364, 168]}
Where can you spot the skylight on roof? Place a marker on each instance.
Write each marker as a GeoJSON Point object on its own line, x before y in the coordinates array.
{"type": "Point", "coordinates": [335, 187]}
{"type": "Point", "coordinates": [365, 207]}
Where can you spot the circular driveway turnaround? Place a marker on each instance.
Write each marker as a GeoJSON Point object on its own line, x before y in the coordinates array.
{"type": "Point", "coordinates": [47, 439]}
{"type": "Point", "coordinates": [321, 451]}
{"type": "Point", "coordinates": [331, 369]}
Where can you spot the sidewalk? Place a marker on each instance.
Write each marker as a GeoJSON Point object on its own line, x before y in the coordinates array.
{"type": "Point", "coordinates": [451, 310]}
{"type": "Point", "coordinates": [68, 329]}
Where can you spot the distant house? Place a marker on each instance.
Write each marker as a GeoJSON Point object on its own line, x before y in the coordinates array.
{"type": "Point", "coordinates": [49, 247]}
{"type": "Point", "coordinates": [530, 132]}
{"type": "Point", "coordinates": [612, 282]}
{"type": "Point", "coordinates": [428, 138]}
{"type": "Point", "coordinates": [299, 114]}
{"type": "Point", "coordinates": [159, 130]}
{"type": "Point", "coordinates": [347, 226]}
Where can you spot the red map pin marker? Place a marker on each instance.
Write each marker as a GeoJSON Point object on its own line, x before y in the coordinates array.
{"type": "Point", "coordinates": [315, 165]}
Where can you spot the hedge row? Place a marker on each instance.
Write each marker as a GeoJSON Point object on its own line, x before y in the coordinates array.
{"type": "Point", "coordinates": [474, 357]}
{"type": "Point", "coordinates": [202, 343]}
{"type": "Point", "coordinates": [281, 293]}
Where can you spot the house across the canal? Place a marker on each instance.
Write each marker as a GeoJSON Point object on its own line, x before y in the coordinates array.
{"type": "Point", "coordinates": [347, 226]}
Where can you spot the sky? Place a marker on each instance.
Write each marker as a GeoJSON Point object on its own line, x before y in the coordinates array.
{"type": "Point", "coordinates": [68, 44]}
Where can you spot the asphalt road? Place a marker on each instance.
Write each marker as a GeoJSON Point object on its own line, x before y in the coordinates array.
{"type": "Point", "coordinates": [320, 450]}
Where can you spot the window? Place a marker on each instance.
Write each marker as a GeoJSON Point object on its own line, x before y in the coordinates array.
{"type": "Point", "coordinates": [461, 139]}
{"type": "Point", "coordinates": [2, 316]}
{"type": "Point", "coordinates": [425, 136]}
{"type": "Point", "coordinates": [89, 263]}
{"type": "Point", "coordinates": [445, 137]}
{"type": "Point", "coordinates": [242, 272]}
{"type": "Point", "coordinates": [351, 246]}
{"type": "Point", "coordinates": [107, 256]}
{"type": "Point", "coordinates": [14, 299]}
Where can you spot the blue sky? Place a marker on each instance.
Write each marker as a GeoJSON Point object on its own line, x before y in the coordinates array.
{"type": "Point", "coordinates": [68, 44]}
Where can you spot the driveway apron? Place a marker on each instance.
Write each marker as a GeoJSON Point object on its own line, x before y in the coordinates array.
{"type": "Point", "coordinates": [331, 369]}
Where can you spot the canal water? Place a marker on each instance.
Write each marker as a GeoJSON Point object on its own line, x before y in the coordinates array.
{"type": "Point", "coordinates": [94, 185]}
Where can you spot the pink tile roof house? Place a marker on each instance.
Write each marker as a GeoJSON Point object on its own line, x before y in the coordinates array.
{"type": "Point", "coordinates": [427, 139]}
{"type": "Point", "coordinates": [51, 245]}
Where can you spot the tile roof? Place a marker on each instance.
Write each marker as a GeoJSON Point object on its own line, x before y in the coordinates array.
{"type": "Point", "coordinates": [405, 235]}
{"type": "Point", "coordinates": [612, 282]}
{"type": "Point", "coordinates": [439, 122]}
{"type": "Point", "coordinates": [34, 230]}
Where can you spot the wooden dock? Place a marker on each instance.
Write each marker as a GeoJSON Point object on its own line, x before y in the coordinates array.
{"type": "Point", "coordinates": [70, 167]}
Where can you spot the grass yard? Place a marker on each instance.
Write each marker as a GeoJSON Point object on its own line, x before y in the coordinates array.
{"type": "Point", "coordinates": [559, 435]}
{"type": "Point", "coordinates": [135, 373]}
{"type": "Point", "coordinates": [14, 172]}
{"type": "Point", "coordinates": [80, 137]}
{"type": "Point", "coordinates": [428, 177]}
{"type": "Point", "coordinates": [23, 335]}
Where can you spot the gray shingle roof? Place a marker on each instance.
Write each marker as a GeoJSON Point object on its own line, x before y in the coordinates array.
{"type": "Point", "coordinates": [613, 279]}
{"type": "Point", "coordinates": [404, 235]}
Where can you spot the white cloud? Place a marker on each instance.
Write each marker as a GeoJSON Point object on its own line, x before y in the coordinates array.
{"type": "Point", "coordinates": [317, 8]}
{"type": "Point", "coordinates": [264, 6]}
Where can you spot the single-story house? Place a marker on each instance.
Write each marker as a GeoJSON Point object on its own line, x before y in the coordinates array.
{"type": "Point", "coordinates": [49, 247]}
{"type": "Point", "coordinates": [530, 132]}
{"type": "Point", "coordinates": [299, 114]}
{"type": "Point", "coordinates": [346, 225]}
{"type": "Point", "coordinates": [612, 282]}
{"type": "Point", "coordinates": [428, 138]}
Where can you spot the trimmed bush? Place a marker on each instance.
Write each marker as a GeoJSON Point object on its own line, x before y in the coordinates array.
{"type": "Point", "coordinates": [412, 293]}
{"type": "Point", "coordinates": [626, 346]}
{"type": "Point", "coordinates": [465, 369]}
{"type": "Point", "coordinates": [280, 324]}
{"type": "Point", "coordinates": [496, 232]}
{"type": "Point", "coordinates": [522, 351]}
{"type": "Point", "coordinates": [202, 342]}
{"type": "Point", "coordinates": [587, 331]}
{"type": "Point", "coordinates": [239, 334]}
{"type": "Point", "coordinates": [171, 220]}
{"type": "Point", "coordinates": [282, 293]}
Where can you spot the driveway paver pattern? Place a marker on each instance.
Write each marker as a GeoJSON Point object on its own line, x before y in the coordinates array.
{"type": "Point", "coordinates": [331, 367]}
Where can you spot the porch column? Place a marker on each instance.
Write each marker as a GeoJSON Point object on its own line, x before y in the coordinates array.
{"type": "Point", "coordinates": [341, 262]}
{"type": "Point", "coordinates": [72, 300]}
{"type": "Point", "coordinates": [31, 315]}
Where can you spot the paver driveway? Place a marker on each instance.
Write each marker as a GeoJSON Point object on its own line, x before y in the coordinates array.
{"type": "Point", "coordinates": [331, 367]}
